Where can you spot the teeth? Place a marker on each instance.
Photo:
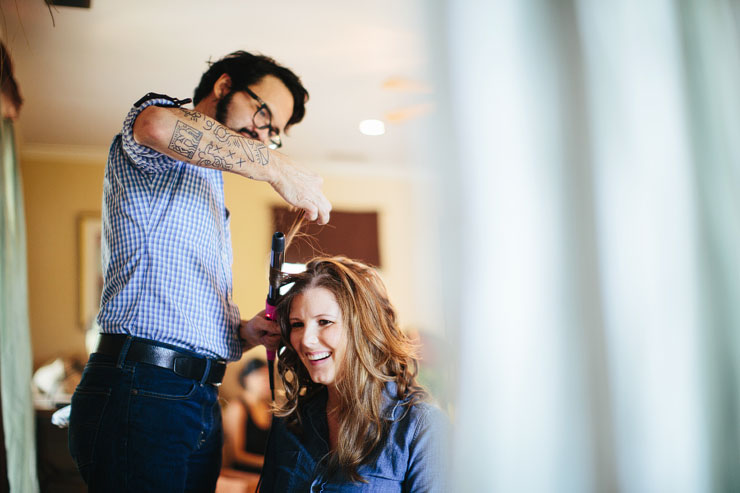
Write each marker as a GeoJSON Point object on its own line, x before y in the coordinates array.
{"type": "Point", "coordinates": [318, 356]}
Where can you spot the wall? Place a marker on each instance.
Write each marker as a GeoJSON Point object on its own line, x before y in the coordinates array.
{"type": "Point", "coordinates": [59, 184]}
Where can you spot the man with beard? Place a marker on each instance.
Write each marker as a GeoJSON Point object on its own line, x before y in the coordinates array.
{"type": "Point", "coordinates": [146, 414]}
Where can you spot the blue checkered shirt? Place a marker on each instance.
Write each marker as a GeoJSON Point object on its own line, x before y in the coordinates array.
{"type": "Point", "coordinates": [166, 250]}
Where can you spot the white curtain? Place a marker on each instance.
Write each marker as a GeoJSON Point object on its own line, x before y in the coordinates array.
{"type": "Point", "coordinates": [712, 52]}
{"type": "Point", "coordinates": [15, 344]}
{"type": "Point", "coordinates": [590, 228]}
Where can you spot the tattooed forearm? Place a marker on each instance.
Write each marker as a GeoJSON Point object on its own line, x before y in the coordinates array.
{"type": "Point", "coordinates": [258, 150]}
{"type": "Point", "coordinates": [212, 158]}
{"type": "Point", "coordinates": [185, 139]}
{"type": "Point", "coordinates": [220, 132]}
{"type": "Point", "coordinates": [214, 145]}
{"type": "Point", "coordinates": [254, 151]}
{"type": "Point", "coordinates": [192, 115]}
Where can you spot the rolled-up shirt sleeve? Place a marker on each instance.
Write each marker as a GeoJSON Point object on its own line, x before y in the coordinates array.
{"type": "Point", "coordinates": [142, 157]}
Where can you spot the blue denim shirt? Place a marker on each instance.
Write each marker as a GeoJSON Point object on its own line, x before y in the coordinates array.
{"type": "Point", "coordinates": [412, 459]}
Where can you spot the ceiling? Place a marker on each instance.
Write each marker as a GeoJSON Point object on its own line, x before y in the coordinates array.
{"type": "Point", "coordinates": [80, 72]}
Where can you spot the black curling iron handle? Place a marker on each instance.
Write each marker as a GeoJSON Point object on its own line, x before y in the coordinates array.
{"type": "Point", "coordinates": [277, 257]}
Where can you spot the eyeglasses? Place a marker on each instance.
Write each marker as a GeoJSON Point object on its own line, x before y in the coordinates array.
{"type": "Point", "coordinates": [262, 119]}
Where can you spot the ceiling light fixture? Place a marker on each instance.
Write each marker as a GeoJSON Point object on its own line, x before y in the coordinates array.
{"type": "Point", "coordinates": [372, 127]}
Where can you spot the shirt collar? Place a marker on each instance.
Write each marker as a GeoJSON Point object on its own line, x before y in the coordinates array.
{"type": "Point", "coordinates": [392, 405]}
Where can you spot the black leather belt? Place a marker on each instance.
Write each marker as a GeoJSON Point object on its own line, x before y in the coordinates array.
{"type": "Point", "coordinates": [182, 364]}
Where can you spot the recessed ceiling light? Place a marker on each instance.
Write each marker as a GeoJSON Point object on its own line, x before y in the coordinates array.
{"type": "Point", "coordinates": [372, 127]}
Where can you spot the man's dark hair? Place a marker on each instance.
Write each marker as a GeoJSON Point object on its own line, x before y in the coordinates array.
{"type": "Point", "coordinates": [246, 69]}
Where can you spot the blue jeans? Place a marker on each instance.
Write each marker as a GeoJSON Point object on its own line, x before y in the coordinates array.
{"type": "Point", "coordinates": [137, 427]}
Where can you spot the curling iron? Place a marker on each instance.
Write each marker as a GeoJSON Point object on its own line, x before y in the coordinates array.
{"type": "Point", "coordinates": [277, 257]}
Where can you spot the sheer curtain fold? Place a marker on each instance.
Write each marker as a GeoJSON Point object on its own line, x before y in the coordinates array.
{"type": "Point", "coordinates": [711, 40]}
{"type": "Point", "coordinates": [648, 243]}
{"type": "Point", "coordinates": [15, 345]}
{"type": "Point", "coordinates": [523, 419]}
{"type": "Point", "coordinates": [598, 176]}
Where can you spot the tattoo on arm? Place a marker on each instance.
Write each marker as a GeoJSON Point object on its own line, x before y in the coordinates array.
{"type": "Point", "coordinates": [185, 139]}
{"type": "Point", "coordinates": [193, 115]}
{"type": "Point", "coordinates": [227, 149]}
{"type": "Point", "coordinates": [258, 151]}
{"type": "Point", "coordinates": [220, 132]}
{"type": "Point", "coordinates": [210, 157]}
{"type": "Point", "coordinates": [254, 151]}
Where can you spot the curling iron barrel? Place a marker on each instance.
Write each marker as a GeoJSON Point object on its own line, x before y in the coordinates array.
{"type": "Point", "coordinates": [277, 257]}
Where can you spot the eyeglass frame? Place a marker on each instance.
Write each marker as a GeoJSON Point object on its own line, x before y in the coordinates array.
{"type": "Point", "coordinates": [269, 126]}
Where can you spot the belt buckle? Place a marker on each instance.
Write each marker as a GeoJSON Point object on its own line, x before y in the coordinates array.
{"type": "Point", "coordinates": [217, 365]}
{"type": "Point", "coordinates": [182, 366]}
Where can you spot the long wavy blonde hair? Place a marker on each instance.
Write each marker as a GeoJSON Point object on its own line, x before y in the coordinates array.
{"type": "Point", "coordinates": [377, 352]}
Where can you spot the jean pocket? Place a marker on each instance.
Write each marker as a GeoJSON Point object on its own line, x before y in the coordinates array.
{"type": "Point", "coordinates": [88, 406]}
{"type": "Point", "coordinates": [160, 383]}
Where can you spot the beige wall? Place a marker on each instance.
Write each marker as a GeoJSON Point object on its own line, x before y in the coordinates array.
{"type": "Point", "coordinates": [57, 188]}
{"type": "Point", "coordinates": [60, 185]}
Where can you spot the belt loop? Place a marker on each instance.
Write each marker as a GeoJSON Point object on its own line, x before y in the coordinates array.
{"type": "Point", "coordinates": [124, 352]}
{"type": "Point", "coordinates": [206, 372]}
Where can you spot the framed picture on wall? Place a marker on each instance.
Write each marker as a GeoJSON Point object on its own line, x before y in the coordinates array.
{"type": "Point", "coordinates": [90, 275]}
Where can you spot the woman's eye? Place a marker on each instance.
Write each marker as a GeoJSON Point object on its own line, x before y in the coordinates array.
{"type": "Point", "coordinates": [296, 325]}
{"type": "Point", "coordinates": [325, 322]}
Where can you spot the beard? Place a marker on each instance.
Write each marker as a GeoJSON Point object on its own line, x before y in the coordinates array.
{"type": "Point", "coordinates": [222, 108]}
{"type": "Point", "coordinates": [222, 115]}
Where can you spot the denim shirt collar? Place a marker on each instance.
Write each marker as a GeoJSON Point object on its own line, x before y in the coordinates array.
{"type": "Point", "coordinates": [392, 406]}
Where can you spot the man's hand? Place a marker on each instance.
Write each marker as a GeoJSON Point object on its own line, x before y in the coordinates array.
{"type": "Point", "coordinates": [260, 330]}
{"type": "Point", "coordinates": [300, 188]}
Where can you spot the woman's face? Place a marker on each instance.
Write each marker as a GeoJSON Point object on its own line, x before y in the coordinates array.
{"type": "Point", "coordinates": [318, 334]}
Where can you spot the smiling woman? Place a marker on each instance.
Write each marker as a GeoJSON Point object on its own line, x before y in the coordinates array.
{"type": "Point", "coordinates": [319, 337]}
{"type": "Point", "coordinates": [355, 417]}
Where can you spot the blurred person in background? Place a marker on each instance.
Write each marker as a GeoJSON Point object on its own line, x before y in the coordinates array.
{"type": "Point", "coordinates": [247, 419]}
{"type": "Point", "coordinates": [10, 94]}
{"type": "Point", "coordinates": [17, 442]}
